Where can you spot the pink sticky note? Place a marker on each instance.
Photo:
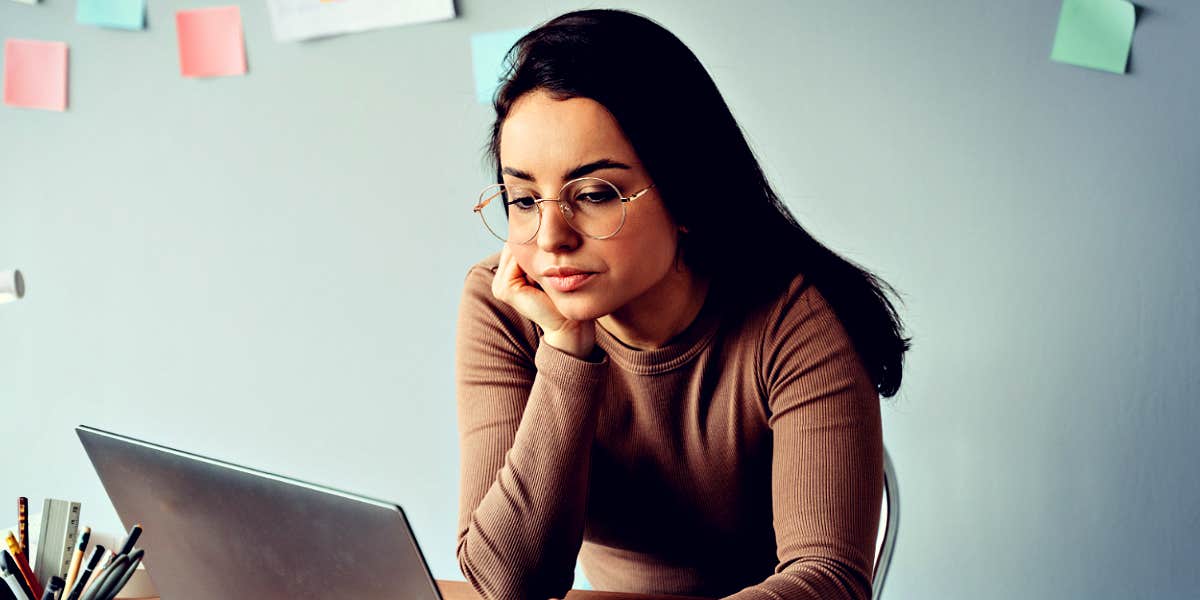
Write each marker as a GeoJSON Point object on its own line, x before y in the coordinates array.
{"type": "Point", "coordinates": [35, 74]}
{"type": "Point", "coordinates": [210, 42]}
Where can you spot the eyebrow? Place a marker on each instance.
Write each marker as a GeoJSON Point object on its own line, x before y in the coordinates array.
{"type": "Point", "coordinates": [577, 172]}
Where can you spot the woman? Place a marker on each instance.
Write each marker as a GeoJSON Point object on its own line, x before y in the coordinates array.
{"type": "Point", "coordinates": [661, 372]}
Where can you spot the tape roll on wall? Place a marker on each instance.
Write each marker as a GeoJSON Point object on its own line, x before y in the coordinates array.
{"type": "Point", "coordinates": [12, 286]}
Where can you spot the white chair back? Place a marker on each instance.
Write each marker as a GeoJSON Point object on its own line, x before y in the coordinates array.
{"type": "Point", "coordinates": [889, 526]}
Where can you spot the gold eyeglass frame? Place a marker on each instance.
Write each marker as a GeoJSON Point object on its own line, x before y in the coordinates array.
{"type": "Point", "coordinates": [483, 202]}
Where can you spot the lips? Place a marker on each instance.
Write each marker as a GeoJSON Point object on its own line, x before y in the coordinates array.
{"type": "Point", "coordinates": [563, 271]}
{"type": "Point", "coordinates": [569, 283]}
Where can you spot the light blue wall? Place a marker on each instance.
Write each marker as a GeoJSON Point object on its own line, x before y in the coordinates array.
{"type": "Point", "coordinates": [266, 269]}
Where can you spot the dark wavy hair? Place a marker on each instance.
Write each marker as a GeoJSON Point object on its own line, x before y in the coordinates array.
{"type": "Point", "coordinates": [669, 108]}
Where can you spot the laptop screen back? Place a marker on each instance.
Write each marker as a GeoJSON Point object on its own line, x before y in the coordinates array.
{"type": "Point", "coordinates": [217, 530]}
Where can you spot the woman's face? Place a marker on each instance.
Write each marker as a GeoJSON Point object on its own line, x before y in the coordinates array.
{"type": "Point", "coordinates": [543, 143]}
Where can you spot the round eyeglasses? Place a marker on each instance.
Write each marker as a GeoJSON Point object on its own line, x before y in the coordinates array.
{"type": "Point", "coordinates": [592, 206]}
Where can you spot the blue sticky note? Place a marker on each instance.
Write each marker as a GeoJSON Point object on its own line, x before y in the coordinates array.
{"type": "Point", "coordinates": [1094, 33]}
{"type": "Point", "coordinates": [487, 59]}
{"type": "Point", "coordinates": [121, 14]}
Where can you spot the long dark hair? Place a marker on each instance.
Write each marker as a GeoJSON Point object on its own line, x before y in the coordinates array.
{"type": "Point", "coordinates": [705, 172]}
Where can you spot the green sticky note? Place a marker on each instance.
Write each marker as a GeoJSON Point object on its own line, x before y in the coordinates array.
{"type": "Point", "coordinates": [1094, 33]}
{"type": "Point", "coordinates": [487, 59]}
{"type": "Point", "coordinates": [122, 14]}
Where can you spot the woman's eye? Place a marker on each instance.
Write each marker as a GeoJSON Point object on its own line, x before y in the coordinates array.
{"type": "Point", "coordinates": [596, 197]}
{"type": "Point", "coordinates": [525, 202]}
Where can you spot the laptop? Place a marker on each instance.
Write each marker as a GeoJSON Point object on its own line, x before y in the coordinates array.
{"type": "Point", "coordinates": [213, 529]}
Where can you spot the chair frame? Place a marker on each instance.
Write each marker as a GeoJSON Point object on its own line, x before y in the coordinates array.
{"type": "Point", "coordinates": [890, 524]}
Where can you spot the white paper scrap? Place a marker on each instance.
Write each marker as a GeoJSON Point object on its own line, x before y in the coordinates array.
{"type": "Point", "coordinates": [295, 20]}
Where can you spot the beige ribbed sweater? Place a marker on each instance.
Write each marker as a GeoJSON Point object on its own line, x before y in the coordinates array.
{"type": "Point", "coordinates": [744, 458]}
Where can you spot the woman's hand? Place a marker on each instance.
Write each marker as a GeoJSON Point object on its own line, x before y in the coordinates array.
{"type": "Point", "coordinates": [513, 287]}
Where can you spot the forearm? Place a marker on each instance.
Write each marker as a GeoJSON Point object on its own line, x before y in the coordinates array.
{"type": "Point", "coordinates": [522, 539]}
{"type": "Point", "coordinates": [810, 579]}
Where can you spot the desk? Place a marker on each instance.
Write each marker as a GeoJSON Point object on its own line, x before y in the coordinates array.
{"type": "Point", "coordinates": [461, 590]}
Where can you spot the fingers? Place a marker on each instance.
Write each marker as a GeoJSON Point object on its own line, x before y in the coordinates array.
{"type": "Point", "coordinates": [511, 286]}
{"type": "Point", "coordinates": [508, 276]}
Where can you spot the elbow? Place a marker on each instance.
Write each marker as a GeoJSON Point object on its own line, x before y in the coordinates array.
{"type": "Point", "coordinates": [495, 578]}
{"type": "Point", "coordinates": [829, 578]}
{"type": "Point", "coordinates": [484, 585]}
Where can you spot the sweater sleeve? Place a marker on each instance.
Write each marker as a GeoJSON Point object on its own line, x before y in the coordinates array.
{"type": "Point", "coordinates": [527, 419]}
{"type": "Point", "coordinates": [827, 461]}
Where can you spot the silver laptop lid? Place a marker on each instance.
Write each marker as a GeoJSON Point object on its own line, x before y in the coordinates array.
{"type": "Point", "coordinates": [218, 530]}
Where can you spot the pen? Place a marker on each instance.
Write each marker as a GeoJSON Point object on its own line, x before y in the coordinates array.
{"type": "Point", "coordinates": [23, 525]}
{"type": "Point", "coordinates": [7, 584]}
{"type": "Point", "coordinates": [99, 571]}
{"type": "Point", "coordinates": [130, 540]}
{"type": "Point", "coordinates": [14, 576]}
{"type": "Point", "coordinates": [104, 584]}
{"type": "Point", "coordinates": [55, 584]}
{"type": "Point", "coordinates": [135, 559]}
{"type": "Point", "coordinates": [9, 590]}
{"type": "Point", "coordinates": [10, 587]}
{"type": "Point", "coordinates": [22, 566]}
{"type": "Point", "coordinates": [77, 558]}
{"type": "Point", "coordinates": [93, 560]}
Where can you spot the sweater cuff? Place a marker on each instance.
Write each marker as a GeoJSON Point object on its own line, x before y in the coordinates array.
{"type": "Point", "coordinates": [569, 369]}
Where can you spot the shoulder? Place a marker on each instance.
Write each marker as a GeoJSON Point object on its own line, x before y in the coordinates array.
{"type": "Point", "coordinates": [794, 301]}
{"type": "Point", "coordinates": [800, 301]}
{"type": "Point", "coordinates": [798, 332]}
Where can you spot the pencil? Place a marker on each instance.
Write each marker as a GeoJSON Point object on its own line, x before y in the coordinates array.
{"type": "Point", "coordinates": [77, 559]}
{"type": "Point", "coordinates": [23, 525]}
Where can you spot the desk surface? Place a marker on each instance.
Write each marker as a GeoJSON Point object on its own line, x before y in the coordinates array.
{"type": "Point", "coordinates": [461, 590]}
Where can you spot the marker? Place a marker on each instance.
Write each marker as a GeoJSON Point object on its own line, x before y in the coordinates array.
{"type": "Point", "coordinates": [112, 573]}
{"type": "Point", "coordinates": [14, 576]}
{"type": "Point", "coordinates": [93, 560]}
{"type": "Point", "coordinates": [135, 559]}
{"type": "Point", "coordinates": [56, 583]}
{"type": "Point", "coordinates": [77, 558]}
{"type": "Point", "coordinates": [22, 565]}
{"type": "Point", "coordinates": [23, 525]}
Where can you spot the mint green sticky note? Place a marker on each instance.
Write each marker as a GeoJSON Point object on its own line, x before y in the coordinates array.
{"type": "Point", "coordinates": [121, 14]}
{"type": "Point", "coordinates": [487, 59]}
{"type": "Point", "coordinates": [1094, 33]}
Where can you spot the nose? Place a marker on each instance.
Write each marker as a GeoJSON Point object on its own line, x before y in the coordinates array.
{"type": "Point", "coordinates": [554, 233]}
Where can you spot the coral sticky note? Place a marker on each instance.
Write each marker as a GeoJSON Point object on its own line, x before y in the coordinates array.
{"type": "Point", "coordinates": [210, 42]}
{"type": "Point", "coordinates": [35, 74]}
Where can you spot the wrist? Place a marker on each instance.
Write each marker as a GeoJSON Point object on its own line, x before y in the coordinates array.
{"type": "Point", "coordinates": [577, 344]}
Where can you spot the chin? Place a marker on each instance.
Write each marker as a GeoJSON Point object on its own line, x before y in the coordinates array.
{"type": "Point", "coordinates": [577, 308]}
